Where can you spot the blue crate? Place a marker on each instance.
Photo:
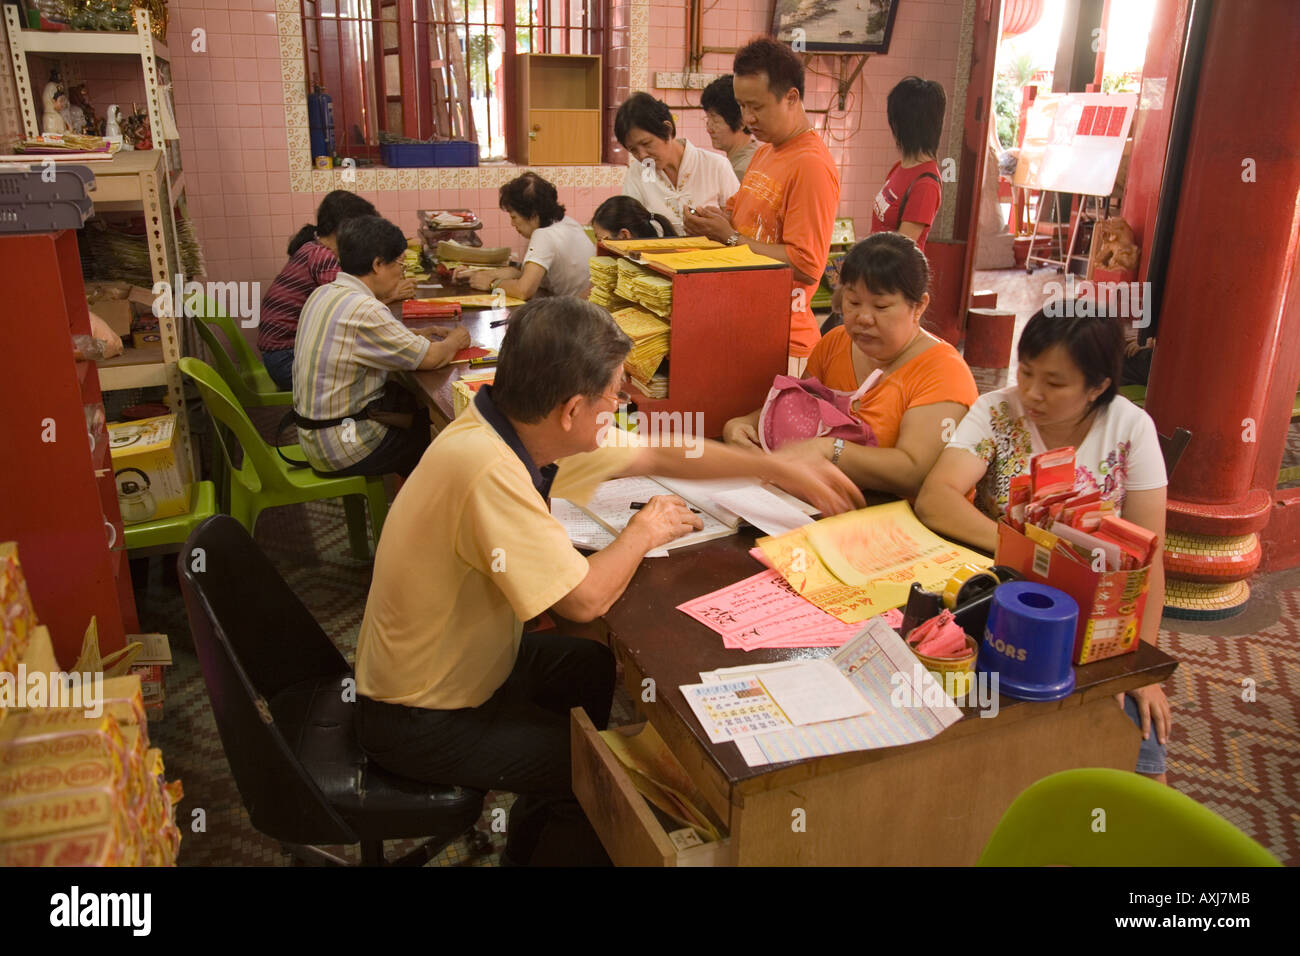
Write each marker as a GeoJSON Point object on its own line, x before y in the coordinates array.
{"type": "Point", "coordinates": [454, 153]}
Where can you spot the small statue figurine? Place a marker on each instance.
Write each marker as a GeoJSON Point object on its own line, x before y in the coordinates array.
{"type": "Point", "coordinates": [55, 101]}
{"type": "Point", "coordinates": [113, 127]}
{"type": "Point", "coordinates": [83, 119]}
{"type": "Point", "coordinates": [136, 130]}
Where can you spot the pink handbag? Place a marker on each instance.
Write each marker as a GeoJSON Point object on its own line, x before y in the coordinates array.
{"type": "Point", "coordinates": [800, 408]}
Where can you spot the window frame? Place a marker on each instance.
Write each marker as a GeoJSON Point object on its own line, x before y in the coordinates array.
{"type": "Point", "coordinates": [549, 22]}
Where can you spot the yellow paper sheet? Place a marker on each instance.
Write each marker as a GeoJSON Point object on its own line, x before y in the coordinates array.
{"type": "Point", "coordinates": [857, 565]}
{"type": "Point", "coordinates": [625, 246]}
{"type": "Point", "coordinates": [658, 777]}
{"type": "Point", "coordinates": [734, 257]}
{"type": "Point", "coordinates": [484, 301]}
{"type": "Point", "coordinates": [639, 324]}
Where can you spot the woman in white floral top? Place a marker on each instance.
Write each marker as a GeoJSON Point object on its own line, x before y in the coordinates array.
{"type": "Point", "coordinates": [1067, 393]}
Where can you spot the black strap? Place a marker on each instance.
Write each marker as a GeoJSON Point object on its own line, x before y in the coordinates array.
{"type": "Point", "coordinates": [292, 417]}
{"type": "Point", "coordinates": [902, 206]}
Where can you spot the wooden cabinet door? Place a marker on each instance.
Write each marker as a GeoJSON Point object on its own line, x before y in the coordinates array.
{"type": "Point", "coordinates": [557, 137]}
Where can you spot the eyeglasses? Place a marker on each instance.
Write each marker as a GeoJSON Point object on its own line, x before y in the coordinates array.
{"type": "Point", "coordinates": [622, 398]}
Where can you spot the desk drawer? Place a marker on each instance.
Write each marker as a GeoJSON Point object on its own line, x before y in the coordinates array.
{"type": "Point", "coordinates": [624, 821]}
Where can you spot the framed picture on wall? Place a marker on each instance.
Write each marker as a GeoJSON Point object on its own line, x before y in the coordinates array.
{"type": "Point", "coordinates": [835, 26]}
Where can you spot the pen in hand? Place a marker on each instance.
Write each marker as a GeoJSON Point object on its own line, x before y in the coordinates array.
{"type": "Point", "coordinates": [638, 505]}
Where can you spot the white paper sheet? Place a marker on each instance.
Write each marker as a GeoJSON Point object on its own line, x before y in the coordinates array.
{"type": "Point", "coordinates": [763, 509]}
{"type": "Point", "coordinates": [813, 692]}
{"type": "Point", "coordinates": [584, 531]}
{"type": "Point", "coordinates": [611, 506]}
{"type": "Point", "coordinates": [705, 493]}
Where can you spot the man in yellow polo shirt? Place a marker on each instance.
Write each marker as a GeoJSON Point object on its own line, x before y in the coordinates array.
{"type": "Point", "coordinates": [450, 690]}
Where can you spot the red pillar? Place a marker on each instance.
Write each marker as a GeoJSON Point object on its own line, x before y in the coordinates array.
{"type": "Point", "coordinates": [1151, 125]}
{"type": "Point", "coordinates": [1228, 360]}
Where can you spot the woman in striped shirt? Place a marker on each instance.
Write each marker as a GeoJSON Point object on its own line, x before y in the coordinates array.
{"type": "Point", "coordinates": [313, 262]}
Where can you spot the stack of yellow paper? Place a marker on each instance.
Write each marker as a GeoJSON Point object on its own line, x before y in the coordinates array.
{"type": "Point", "coordinates": [655, 292]}
{"type": "Point", "coordinates": [649, 337]}
{"type": "Point", "coordinates": [604, 276]}
{"type": "Point", "coordinates": [656, 387]}
{"type": "Point", "coordinates": [624, 283]}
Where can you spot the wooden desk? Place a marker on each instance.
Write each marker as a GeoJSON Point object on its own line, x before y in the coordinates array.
{"type": "Point", "coordinates": [932, 803]}
{"type": "Point", "coordinates": [433, 386]}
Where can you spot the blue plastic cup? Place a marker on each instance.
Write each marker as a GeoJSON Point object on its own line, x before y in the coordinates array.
{"type": "Point", "coordinates": [1029, 641]}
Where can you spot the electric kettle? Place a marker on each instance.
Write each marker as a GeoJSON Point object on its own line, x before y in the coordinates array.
{"type": "Point", "coordinates": [134, 497]}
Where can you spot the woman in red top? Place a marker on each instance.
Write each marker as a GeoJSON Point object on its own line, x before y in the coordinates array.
{"type": "Point", "coordinates": [313, 261]}
{"type": "Point", "coordinates": [910, 198]}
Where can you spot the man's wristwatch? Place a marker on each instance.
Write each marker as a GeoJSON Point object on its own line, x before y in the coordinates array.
{"type": "Point", "coordinates": [733, 239]}
{"type": "Point", "coordinates": [838, 447]}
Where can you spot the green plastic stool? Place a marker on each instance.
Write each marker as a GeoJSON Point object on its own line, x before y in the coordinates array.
{"type": "Point", "coordinates": [1146, 824]}
{"type": "Point", "coordinates": [264, 480]}
{"type": "Point", "coordinates": [174, 530]}
{"type": "Point", "coordinates": [245, 374]}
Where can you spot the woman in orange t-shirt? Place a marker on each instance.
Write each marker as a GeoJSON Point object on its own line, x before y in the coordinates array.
{"type": "Point", "coordinates": [926, 386]}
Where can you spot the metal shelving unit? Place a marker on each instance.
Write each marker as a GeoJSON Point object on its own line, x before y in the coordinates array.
{"type": "Point", "coordinates": [132, 181]}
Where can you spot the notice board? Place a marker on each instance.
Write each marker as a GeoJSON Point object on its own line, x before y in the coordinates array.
{"type": "Point", "coordinates": [1074, 142]}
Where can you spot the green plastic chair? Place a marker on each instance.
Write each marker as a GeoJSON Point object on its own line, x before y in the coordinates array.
{"type": "Point", "coordinates": [245, 374]}
{"type": "Point", "coordinates": [1146, 824]}
{"type": "Point", "coordinates": [174, 530]}
{"type": "Point", "coordinates": [264, 480]}
{"type": "Point", "coordinates": [1137, 394]}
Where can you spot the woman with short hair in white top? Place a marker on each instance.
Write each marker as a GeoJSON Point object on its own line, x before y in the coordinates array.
{"type": "Point", "coordinates": [665, 174]}
{"type": "Point", "coordinates": [1066, 393]}
{"type": "Point", "coordinates": [558, 247]}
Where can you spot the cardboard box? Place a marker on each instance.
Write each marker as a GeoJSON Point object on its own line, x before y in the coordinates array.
{"type": "Point", "coordinates": [99, 290]}
{"type": "Point", "coordinates": [464, 389]}
{"type": "Point", "coordinates": [152, 477]}
{"type": "Point", "coordinates": [116, 313]}
{"type": "Point", "coordinates": [145, 340]}
{"type": "Point", "coordinates": [149, 667]}
{"type": "Point", "coordinates": [1111, 603]}
{"type": "Point", "coordinates": [142, 296]}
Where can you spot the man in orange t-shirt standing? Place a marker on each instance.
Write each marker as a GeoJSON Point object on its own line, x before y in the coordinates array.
{"type": "Point", "coordinates": [786, 205]}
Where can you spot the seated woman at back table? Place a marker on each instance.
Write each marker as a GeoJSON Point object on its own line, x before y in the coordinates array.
{"type": "Point", "coordinates": [313, 262]}
{"type": "Point", "coordinates": [558, 247]}
{"type": "Point", "coordinates": [622, 217]}
{"type": "Point", "coordinates": [925, 386]}
{"type": "Point", "coordinates": [1066, 393]}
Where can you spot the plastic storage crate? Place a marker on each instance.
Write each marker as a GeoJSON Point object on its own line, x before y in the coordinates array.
{"type": "Point", "coordinates": [453, 153]}
{"type": "Point", "coordinates": [30, 203]}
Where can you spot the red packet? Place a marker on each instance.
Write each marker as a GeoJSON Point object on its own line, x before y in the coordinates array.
{"type": "Point", "coordinates": [1052, 472]}
{"type": "Point", "coordinates": [429, 309]}
{"type": "Point", "coordinates": [473, 352]}
{"type": "Point", "coordinates": [1135, 540]}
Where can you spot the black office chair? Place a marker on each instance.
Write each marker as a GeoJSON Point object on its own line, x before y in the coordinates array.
{"type": "Point", "coordinates": [278, 692]}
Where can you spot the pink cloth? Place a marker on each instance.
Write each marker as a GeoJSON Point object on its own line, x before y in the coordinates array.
{"type": "Point", "coordinates": [801, 408]}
